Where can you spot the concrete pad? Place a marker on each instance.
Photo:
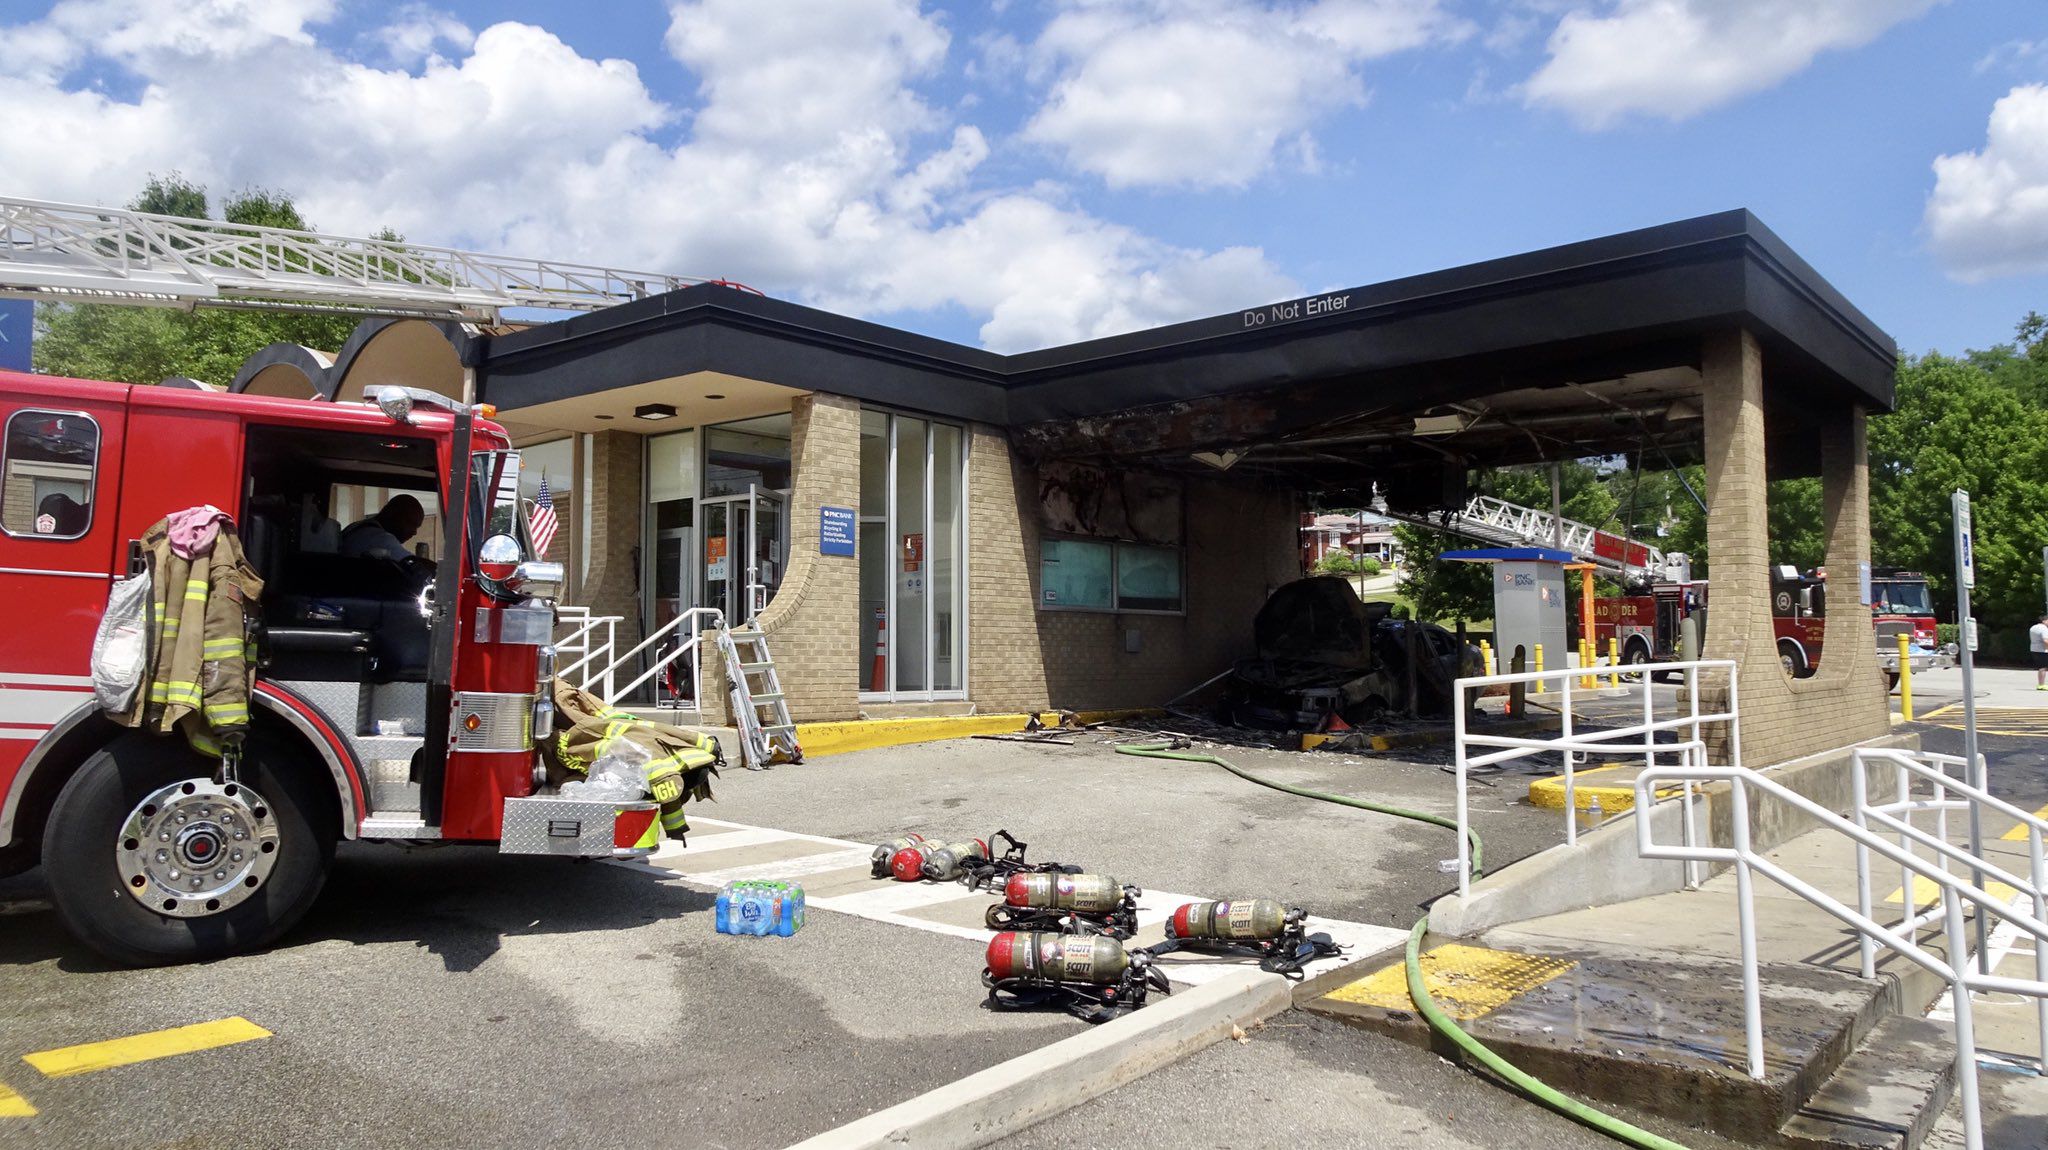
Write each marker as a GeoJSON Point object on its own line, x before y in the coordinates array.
{"type": "Point", "coordinates": [1006, 1098]}
{"type": "Point", "coordinates": [1664, 1034]}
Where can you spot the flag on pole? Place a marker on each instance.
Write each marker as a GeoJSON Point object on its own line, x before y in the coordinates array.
{"type": "Point", "coordinates": [541, 523]}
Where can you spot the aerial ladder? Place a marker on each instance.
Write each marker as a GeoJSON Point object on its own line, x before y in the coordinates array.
{"type": "Point", "coordinates": [1490, 520]}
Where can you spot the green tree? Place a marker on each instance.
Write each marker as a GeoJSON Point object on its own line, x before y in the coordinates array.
{"type": "Point", "coordinates": [1966, 423]}
{"type": "Point", "coordinates": [148, 345]}
{"type": "Point", "coordinates": [1443, 590]}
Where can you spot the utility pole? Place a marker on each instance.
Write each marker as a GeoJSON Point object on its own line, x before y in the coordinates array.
{"type": "Point", "coordinates": [1557, 506]}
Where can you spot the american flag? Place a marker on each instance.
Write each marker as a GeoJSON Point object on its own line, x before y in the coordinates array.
{"type": "Point", "coordinates": [541, 522]}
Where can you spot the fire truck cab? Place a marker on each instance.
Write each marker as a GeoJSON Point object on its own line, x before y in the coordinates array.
{"type": "Point", "coordinates": [395, 699]}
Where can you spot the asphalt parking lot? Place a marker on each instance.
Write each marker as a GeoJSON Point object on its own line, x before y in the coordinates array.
{"type": "Point", "coordinates": [453, 996]}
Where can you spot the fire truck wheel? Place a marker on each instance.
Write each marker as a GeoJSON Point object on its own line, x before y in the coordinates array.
{"type": "Point", "coordinates": [1637, 653]}
{"type": "Point", "coordinates": [91, 825]}
{"type": "Point", "coordinates": [1793, 659]}
{"type": "Point", "coordinates": [16, 859]}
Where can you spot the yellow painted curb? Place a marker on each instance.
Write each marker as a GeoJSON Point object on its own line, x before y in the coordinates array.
{"type": "Point", "coordinates": [866, 734]}
{"type": "Point", "coordinates": [1549, 792]}
{"type": "Point", "coordinates": [13, 1105]}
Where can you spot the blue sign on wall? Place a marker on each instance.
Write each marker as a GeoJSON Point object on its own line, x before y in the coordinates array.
{"type": "Point", "coordinates": [835, 530]}
{"type": "Point", "coordinates": [17, 327]}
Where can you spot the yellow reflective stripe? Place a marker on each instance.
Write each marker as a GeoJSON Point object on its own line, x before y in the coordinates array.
{"type": "Point", "coordinates": [221, 648]}
{"type": "Point", "coordinates": [178, 693]}
{"type": "Point", "coordinates": [158, 692]}
{"type": "Point", "coordinates": [218, 713]}
{"type": "Point", "coordinates": [204, 744]}
{"type": "Point", "coordinates": [171, 627]}
{"type": "Point", "coordinates": [195, 588]}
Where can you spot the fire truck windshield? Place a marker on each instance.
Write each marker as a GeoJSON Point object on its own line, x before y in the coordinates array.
{"type": "Point", "coordinates": [1903, 598]}
{"type": "Point", "coordinates": [496, 474]}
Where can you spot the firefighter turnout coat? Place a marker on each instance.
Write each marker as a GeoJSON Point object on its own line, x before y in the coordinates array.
{"type": "Point", "coordinates": [678, 763]}
{"type": "Point", "coordinates": [200, 671]}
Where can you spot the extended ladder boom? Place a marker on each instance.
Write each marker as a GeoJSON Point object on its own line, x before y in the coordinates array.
{"type": "Point", "coordinates": [1497, 521]}
{"type": "Point", "coordinates": [113, 255]}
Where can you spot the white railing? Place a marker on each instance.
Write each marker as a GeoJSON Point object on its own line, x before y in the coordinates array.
{"type": "Point", "coordinates": [591, 639]}
{"type": "Point", "coordinates": [112, 254]}
{"type": "Point", "coordinates": [1571, 744]}
{"type": "Point", "coordinates": [1899, 937]}
{"type": "Point", "coordinates": [690, 627]}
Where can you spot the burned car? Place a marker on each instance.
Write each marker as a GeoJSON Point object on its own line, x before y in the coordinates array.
{"type": "Point", "coordinates": [1322, 651]}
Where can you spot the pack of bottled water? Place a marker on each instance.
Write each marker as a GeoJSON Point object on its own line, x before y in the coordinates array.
{"type": "Point", "coordinates": [760, 908]}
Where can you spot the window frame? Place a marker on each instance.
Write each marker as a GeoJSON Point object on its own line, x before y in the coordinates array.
{"type": "Point", "coordinates": [1116, 546]}
{"type": "Point", "coordinates": [99, 446]}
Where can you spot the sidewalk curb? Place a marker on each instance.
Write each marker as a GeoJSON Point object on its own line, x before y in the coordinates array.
{"type": "Point", "coordinates": [1009, 1096]}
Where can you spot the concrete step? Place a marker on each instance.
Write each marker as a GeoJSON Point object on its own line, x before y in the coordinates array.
{"type": "Point", "coordinates": [1660, 1032]}
{"type": "Point", "coordinates": [1886, 1096]}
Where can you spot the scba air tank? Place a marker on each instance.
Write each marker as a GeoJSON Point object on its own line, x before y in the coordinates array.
{"type": "Point", "coordinates": [909, 863]}
{"type": "Point", "coordinates": [946, 863]}
{"type": "Point", "coordinates": [885, 854]}
{"type": "Point", "coordinates": [1037, 957]}
{"type": "Point", "coordinates": [1246, 920]}
{"type": "Point", "coordinates": [1084, 893]}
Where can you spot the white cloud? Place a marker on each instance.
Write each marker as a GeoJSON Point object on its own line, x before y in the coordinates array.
{"type": "Point", "coordinates": [1677, 58]}
{"type": "Point", "coordinates": [808, 164]}
{"type": "Point", "coordinates": [1988, 214]}
{"type": "Point", "coordinates": [1203, 92]}
{"type": "Point", "coordinates": [418, 32]}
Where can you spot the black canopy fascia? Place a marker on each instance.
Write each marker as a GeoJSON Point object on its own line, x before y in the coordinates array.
{"type": "Point", "coordinates": [1633, 301]}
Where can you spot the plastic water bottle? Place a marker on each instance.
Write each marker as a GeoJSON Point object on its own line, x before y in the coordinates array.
{"type": "Point", "coordinates": [724, 914]}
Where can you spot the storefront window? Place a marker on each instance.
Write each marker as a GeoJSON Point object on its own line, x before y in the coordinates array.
{"type": "Point", "coordinates": [1075, 573]}
{"type": "Point", "coordinates": [1147, 578]}
{"type": "Point", "coordinates": [912, 556]}
{"type": "Point", "coordinates": [556, 463]}
{"type": "Point", "coordinates": [671, 504]}
{"type": "Point", "coordinates": [748, 453]}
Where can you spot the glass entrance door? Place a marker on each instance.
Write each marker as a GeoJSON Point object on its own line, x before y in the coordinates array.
{"type": "Point", "coordinates": [745, 542]}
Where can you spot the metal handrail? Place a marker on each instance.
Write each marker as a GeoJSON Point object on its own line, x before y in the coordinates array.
{"type": "Point", "coordinates": [1954, 892]}
{"type": "Point", "coordinates": [713, 620]}
{"type": "Point", "coordinates": [1608, 742]}
{"type": "Point", "coordinates": [583, 639]}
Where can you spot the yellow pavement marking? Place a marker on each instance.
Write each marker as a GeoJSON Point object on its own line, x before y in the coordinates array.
{"type": "Point", "coordinates": [835, 738]}
{"type": "Point", "coordinates": [1549, 791]}
{"type": "Point", "coordinates": [2022, 721]}
{"type": "Point", "coordinates": [13, 1105]}
{"type": "Point", "coordinates": [1926, 892]}
{"type": "Point", "coordinates": [92, 1056]}
{"type": "Point", "coordinates": [2018, 833]}
{"type": "Point", "coordinates": [1466, 981]}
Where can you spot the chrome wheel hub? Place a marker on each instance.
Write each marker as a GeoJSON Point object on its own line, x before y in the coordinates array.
{"type": "Point", "coordinates": [197, 848]}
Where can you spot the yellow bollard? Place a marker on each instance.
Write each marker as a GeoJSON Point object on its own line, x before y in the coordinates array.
{"type": "Point", "coordinates": [1485, 657]}
{"type": "Point", "coordinates": [1586, 663]}
{"type": "Point", "coordinates": [1905, 679]}
{"type": "Point", "coordinates": [1613, 661]}
{"type": "Point", "coordinates": [1539, 667]}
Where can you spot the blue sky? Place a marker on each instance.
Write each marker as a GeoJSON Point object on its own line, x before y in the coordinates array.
{"type": "Point", "coordinates": [1017, 174]}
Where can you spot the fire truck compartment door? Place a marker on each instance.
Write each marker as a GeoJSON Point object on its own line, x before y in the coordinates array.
{"type": "Point", "coordinates": [572, 828]}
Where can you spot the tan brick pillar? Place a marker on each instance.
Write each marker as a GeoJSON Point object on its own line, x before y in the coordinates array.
{"type": "Point", "coordinates": [612, 586]}
{"type": "Point", "coordinates": [1005, 666]}
{"type": "Point", "coordinates": [812, 623]}
{"type": "Point", "coordinates": [1782, 718]}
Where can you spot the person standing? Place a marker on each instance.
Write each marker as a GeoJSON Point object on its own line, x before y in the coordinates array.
{"type": "Point", "coordinates": [2037, 651]}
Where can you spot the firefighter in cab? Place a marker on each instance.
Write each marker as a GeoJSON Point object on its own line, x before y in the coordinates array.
{"type": "Point", "coordinates": [385, 534]}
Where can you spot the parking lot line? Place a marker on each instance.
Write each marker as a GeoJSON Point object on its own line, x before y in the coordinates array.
{"type": "Point", "coordinates": [83, 1059]}
{"type": "Point", "coordinates": [13, 1105]}
{"type": "Point", "coordinates": [2019, 832]}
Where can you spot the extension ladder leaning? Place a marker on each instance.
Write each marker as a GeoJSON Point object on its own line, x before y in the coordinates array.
{"type": "Point", "coordinates": [758, 707]}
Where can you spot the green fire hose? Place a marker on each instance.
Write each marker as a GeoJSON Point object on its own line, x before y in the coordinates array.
{"type": "Point", "coordinates": [1514, 1076]}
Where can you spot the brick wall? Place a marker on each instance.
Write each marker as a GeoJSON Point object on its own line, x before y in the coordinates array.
{"type": "Point", "coordinates": [1844, 703]}
{"type": "Point", "coordinates": [612, 587]}
{"type": "Point", "coordinates": [1005, 666]}
{"type": "Point", "coordinates": [1242, 542]}
{"type": "Point", "coordinates": [812, 624]}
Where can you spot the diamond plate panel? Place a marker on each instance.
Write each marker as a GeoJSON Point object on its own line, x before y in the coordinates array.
{"type": "Point", "coordinates": [546, 825]}
{"type": "Point", "coordinates": [340, 702]}
{"type": "Point", "coordinates": [501, 722]}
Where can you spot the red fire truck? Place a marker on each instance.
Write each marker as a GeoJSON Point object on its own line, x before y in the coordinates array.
{"type": "Point", "coordinates": [1646, 620]}
{"type": "Point", "coordinates": [393, 701]}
